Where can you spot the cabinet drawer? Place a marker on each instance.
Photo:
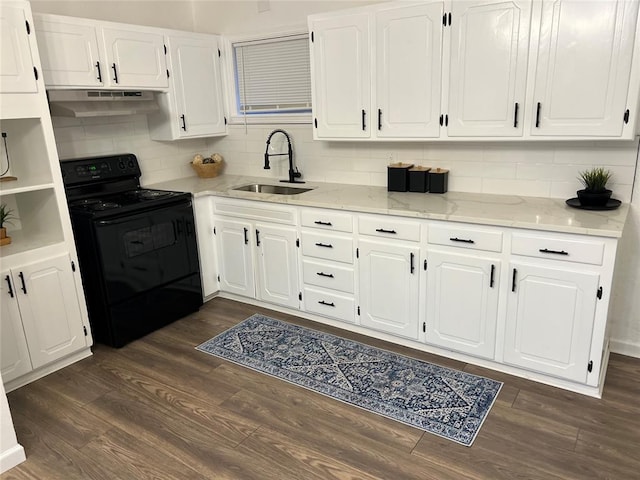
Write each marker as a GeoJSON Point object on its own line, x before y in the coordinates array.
{"type": "Point", "coordinates": [328, 275]}
{"type": "Point", "coordinates": [471, 238]}
{"type": "Point", "coordinates": [327, 220]}
{"type": "Point", "coordinates": [329, 247]}
{"type": "Point", "coordinates": [255, 211]}
{"type": "Point", "coordinates": [332, 305]}
{"type": "Point", "coordinates": [389, 227]}
{"type": "Point", "coordinates": [570, 250]}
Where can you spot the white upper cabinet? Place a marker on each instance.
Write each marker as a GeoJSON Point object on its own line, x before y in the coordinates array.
{"type": "Point", "coordinates": [135, 58]}
{"type": "Point", "coordinates": [488, 68]}
{"type": "Point", "coordinates": [194, 105]}
{"type": "Point", "coordinates": [84, 53]}
{"type": "Point", "coordinates": [17, 73]}
{"type": "Point", "coordinates": [477, 70]}
{"type": "Point", "coordinates": [583, 68]}
{"type": "Point", "coordinates": [341, 76]}
{"type": "Point", "coordinates": [408, 71]}
{"type": "Point", "coordinates": [69, 52]}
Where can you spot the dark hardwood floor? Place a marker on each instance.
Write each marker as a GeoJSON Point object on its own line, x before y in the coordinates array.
{"type": "Point", "coordinates": [159, 409]}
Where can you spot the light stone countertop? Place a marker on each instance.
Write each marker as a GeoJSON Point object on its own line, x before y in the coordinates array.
{"type": "Point", "coordinates": [537, 213]}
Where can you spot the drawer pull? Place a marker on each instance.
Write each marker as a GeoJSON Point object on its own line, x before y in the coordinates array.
{"type": "Point", "coordinates": [325, 245]}
{"type": "Point", "coordinates": [412, 256]}
{"type": "Point", "coordinates": [493, 271]}
{"type": "Point", "coordinates": [555, 252]}
{"type": "Point", "coordinates": [513, 280]}
{"type": "Point", "coordinates": [24, 285]}
{"type": "Point", "coordinates": [322, 302]}
{"type": "Point", "coordinates": [382, 230]}
{"type": "Point", "coordinates": [462, 240]}
{"type": "Point", "coordinates": [322, 274]}
{"type": "Point", "coordinates": [326, 224]}
{"type": "Point", "coordinates": [246, 239]}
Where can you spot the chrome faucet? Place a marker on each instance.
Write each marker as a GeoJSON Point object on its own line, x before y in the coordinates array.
{"type": "Point", "coordinates": [293, 174]}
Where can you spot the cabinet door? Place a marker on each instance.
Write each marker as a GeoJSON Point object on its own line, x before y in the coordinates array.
{"type": "Point", "coordinates": [583, 67]}
{"type": "Point", "coordinates": [14, 354]}
{"type": "Point", "coordinates": [408, 71]}
{"type": "Point", "coordinates": [550, 313]}
{"type": "Point", "coordinates": [466, 326]}
{"type": "Point", "coordinates": [50, 309]}
{"type": "Point", "coordinates": [341, 76]}
{"type": "Point", "coordinates": [135, 59]}
{"type": "Point", "coordinates": [69, 53]}
{"type": "Point", "coordinates": [197, 86]}
{"type": "Point", "coordinates": [277, 265]}
{"type": "Point", "coordinates": [488, 67]}
{"type": "Point", "coordinates": [233, 240]}
{"type": "Point", "coordinates": [389, 287]}
{"type": "Point", "coordinates": [16, 65]}
{"type": "Point", "coordinates": [203, 213]}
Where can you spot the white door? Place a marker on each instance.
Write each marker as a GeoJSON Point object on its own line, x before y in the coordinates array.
{"type": "Point", "coordinates": [198, 86]}
{"type": "Point", "coordinates": [488, 67]}
{"type": "Point", "coordinates": [467, 325]}
{"type": "Point", "coordinates": [583, 67]}
{"type": "Point", "coordinates": [50, 309]}
{"type": "Point", "coordinates": [234, 242]}
{"type": "Point", "coordinates": [341, 76]}
{"type": "Point", "coordinates": [408, 71]}
{"type": "Point", "coordinates": [277, 265]}
{"type": "Point", "coordinates": [16, 65]}
{"type": "Point", "coordinates": [389, 287]}
{"type": "Point", "coordinates": [69, 53]}
{"type": "Point", "coordinates": [14, 354]}
{"type": "Point", "coordinates": [550, 314]}
{"type": "Point", "coordinates": [134, 59]}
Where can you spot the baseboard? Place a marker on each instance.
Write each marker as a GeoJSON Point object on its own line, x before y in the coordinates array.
{"type": "Point", "coordinates": [12, 457]}
{"type": "Point", "coordinates": [625, 348]}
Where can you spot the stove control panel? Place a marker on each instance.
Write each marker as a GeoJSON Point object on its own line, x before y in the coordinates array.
{"type": "Point", "coordinates": [93, 169]}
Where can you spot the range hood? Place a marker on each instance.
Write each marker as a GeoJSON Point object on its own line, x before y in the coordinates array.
{"type": "Point", "coordinates": [100, 103]}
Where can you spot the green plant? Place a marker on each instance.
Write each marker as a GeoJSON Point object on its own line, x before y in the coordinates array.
{"type": "Point", "coordinates": [595, 180]}
{"type": "Point", "coordinates": [6, 215]}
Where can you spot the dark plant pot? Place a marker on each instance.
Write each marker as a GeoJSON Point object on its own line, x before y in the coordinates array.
{"type": "Point", "coordinates": [589, 198]}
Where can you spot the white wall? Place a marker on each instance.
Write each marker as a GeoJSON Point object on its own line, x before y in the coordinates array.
{"type": "Point", "coordinates": [537, 169]}
{"type": "Point", "coordinates": [11, 452]}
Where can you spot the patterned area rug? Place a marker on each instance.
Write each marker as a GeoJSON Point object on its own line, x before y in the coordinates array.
{"type": "Point", "coordinates": [440, 400]}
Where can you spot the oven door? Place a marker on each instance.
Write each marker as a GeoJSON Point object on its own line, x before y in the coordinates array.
{"type": "Point", "coordinates": [143, 251]}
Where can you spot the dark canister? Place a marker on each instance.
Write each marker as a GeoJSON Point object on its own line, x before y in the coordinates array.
{"type": "Point", "coordinates": [438, 180]}
{"type": "Point", "coordinates": [398, 177]}
{"type": "Point", "coordinates": [418, 179]}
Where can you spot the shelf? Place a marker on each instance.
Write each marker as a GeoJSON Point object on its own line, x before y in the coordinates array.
{"type": "Point", "coordinates": [14, 187]}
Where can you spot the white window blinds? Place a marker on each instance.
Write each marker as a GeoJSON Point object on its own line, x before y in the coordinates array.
{"type": "Point", "coordinates": [273, 76]}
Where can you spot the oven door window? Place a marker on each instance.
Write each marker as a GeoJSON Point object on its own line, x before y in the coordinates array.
{"type": "Point", "coordinates": [146, 250]}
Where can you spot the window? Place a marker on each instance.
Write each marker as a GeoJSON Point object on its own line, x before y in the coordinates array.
{"type": "Point", "coordinates": [272, 78]}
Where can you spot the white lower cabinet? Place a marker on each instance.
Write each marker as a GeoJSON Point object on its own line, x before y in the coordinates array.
{"type": "Point", "coordinates": [550, 318]}
{"type": "Point", "coordinates": [277, 266]}
{"type": "Point", "coordinates": [530, 303]}
{"type": "Point", "coordinates": [257, 259]}
{"type": "Point", "coordinates": [203, 213]}
{"type": "Point", "coordinates": [389, 286]}
{"type": "Point", "coordinates": [234, 252]}
{"type": "Point", "coordinates": [40, 311]}
{"type": "Point", "coordinates": [462, 293]}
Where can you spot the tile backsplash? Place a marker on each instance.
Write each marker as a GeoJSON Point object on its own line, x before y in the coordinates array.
{"type": "Point", "coordinates": [547, 169]}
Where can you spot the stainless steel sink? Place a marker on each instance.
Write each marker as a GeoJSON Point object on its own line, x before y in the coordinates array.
{"type": "Point", "coordinates": [272, 189]}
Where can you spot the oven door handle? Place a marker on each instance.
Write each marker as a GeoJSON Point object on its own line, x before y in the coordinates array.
{"type": "Point", "coordinates": [127, 218]}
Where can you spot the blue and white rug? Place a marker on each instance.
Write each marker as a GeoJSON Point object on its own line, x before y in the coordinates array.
{"type": "Point", "coordinates": [440, 400]}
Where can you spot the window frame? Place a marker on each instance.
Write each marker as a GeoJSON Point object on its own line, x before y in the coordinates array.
{"type": "Point", "coordinates": [239, 118]}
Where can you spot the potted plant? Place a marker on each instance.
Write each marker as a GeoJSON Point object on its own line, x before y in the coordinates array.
{"type": "Point", "coordinates": [595, 192]}
{"type": "Point", "coordinates": [6, 216]}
